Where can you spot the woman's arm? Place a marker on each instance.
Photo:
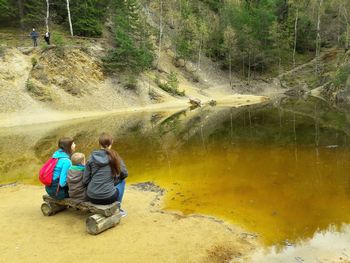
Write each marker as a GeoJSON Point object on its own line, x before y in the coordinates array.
{"type": "Point", "coordinates": [64, 172]}
{"type": "Point", "coordinates": [123, 171]}
{"type": "Point", "coordinates": [87, 173]}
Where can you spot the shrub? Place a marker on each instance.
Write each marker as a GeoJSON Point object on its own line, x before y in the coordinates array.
{"type": "Point", "coordinates": [131, 83]}
{"type": "Point", "coordinates": [30, 86]}
{"type": "Point", "coordinates": [57, 39]}
{"type": "Point", "coordinates": [171, 85]}
{"type": "Point", "coordinates": [34, 61]}
{"type": "Point", "coordinates": [341, 76]}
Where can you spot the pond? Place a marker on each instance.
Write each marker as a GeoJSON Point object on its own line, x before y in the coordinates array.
{"type": "Point", "coordinates": [280, 170]}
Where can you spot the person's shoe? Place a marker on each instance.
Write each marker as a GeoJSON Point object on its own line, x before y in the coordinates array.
{"type": "Point", "coordinates": [123, 213]}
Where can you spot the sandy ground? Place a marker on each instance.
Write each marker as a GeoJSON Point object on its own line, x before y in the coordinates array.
{"type": "Point", "coordinates": [44, 116]}
{"type": "Point", "coordinates": [147, 234]}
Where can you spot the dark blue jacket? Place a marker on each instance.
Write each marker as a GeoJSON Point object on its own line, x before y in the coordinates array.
{"type": "Point", "coordinates": [34, 34]}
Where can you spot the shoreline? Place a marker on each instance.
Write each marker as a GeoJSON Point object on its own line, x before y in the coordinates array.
{"type": "Point", "coordinates": [9, 120]}
{"type": "Point", "coordinates": [148, 232]}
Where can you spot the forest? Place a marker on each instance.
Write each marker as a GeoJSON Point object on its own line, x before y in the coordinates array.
{"type": "Point", "coordinates": [245, 36]}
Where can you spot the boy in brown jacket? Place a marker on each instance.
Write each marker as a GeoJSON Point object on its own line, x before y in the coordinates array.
{"type": "Point", "coordinates": [76, 188]}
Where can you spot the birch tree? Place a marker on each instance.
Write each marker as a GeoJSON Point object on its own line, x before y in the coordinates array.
{"type": "Point", "coordinates": [160, 31]}
{"type": "Point", "coordinates": [229, 41]}
{"type": "Point", "coordinates": [297, 6]}
{"type": "Point", "coordinates": [295, 35]}
{"type": "Point", "coordinates": [69, 19]}
{"type": "Point", "coordinates": [47, 15]}
{"type": "Point", "coordinates": [318, 37]}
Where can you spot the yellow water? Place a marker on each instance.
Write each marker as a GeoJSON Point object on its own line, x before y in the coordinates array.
{"type": "Point", "coordinates": [264, 189]}
{"type": "Point", "coordinates": [276, 174]}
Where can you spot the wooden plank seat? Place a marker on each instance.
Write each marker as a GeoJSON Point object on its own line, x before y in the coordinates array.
{"type": "Point", "coordinates": [105, 216]}
{"type": "Point", "coordinates": [105, 210]}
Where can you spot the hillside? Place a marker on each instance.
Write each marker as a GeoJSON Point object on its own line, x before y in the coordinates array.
{"type": "Point", "coordinates": [133, 54]}
{"type": "Point", "coordinates": [59, 83]}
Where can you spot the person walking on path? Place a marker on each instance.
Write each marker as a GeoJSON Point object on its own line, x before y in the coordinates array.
{"type": "Point", "coordinates": [34, 35]}
{"type": "Point", "coordinates": [47, 37]}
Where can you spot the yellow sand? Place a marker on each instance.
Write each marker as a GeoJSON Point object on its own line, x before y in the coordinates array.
{"type": "Point", "coordinates": [147, 234]}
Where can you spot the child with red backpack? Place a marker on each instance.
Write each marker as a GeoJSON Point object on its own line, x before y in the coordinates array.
{"type": "Point", "coordinates": [58, 189]}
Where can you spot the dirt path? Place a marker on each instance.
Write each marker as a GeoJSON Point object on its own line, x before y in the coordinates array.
{"type": "Point", "coordinates": [147, 234]}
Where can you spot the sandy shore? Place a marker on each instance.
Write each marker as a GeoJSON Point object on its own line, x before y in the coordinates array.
{"type": "Point", "coordinates": [147, 234]}
{"type": "Point", "coordinates": [45, 116]}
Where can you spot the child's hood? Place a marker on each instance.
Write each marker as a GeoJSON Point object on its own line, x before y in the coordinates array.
{"type": "Point", "coordinates": [60, 154]}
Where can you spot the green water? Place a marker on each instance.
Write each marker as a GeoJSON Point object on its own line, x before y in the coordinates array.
{"type": "Point", "coordinates": [280, 171]}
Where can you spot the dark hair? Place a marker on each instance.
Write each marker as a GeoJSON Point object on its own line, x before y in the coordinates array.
{"type": "Point", "coordinates": [105, 141]}
{"type": "Point", "coordinates": [65, 144]}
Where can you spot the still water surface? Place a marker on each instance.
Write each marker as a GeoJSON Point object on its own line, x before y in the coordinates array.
{"type": "Point", "coordinates": [280, 171]}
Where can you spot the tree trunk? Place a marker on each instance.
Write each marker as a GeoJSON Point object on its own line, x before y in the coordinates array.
{"type": "Point", "coordinates": [243, 66]}
{"type": "Point", "coordinates": [230, 68]}
{"type": "Point", "coordinates": [279, 60]}
{"type": "Point", "coordinates": [199, 55]}
{"type": "Point", "coordinates": [339, 25]}
{"type": "Point", "coordinates": [98, 223]}
{"type": "Point", "coordinates": [347, 36]}
{"type": "Point", "coordinates": [248, 68]}
{"type": "Point", "coordinates": [49, 209]}
{"type": "Point", "coordinates": [69, 19]}
{"type": "Point", "coordinates": [318, 39]}
{"type": "Point", "coordinates": [47, 15]}
{"type": "Point", "coordinates": [21, 13]}
{"type": "Point", "coordinates": [295, 36]}
{"type": "Point", "coordinates": [160, 32]}
{"type": "Point", "coordinates": [347, 28]}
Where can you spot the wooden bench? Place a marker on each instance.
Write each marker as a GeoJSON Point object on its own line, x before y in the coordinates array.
{"type": "Point", "coordinates": [105, 216]}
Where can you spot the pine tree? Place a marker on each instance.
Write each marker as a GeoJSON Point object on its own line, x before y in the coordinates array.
{"type": "Point", "coordinates": [34, 13]}
{"type": "Point", "coordinates": [133, 51]}
{"type": "Point", "coordinates": [87, 16]}
{"type": "Point", "coordinates": [5, 10]}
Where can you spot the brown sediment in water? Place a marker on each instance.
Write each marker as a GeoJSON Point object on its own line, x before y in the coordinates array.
{"type": "Point", "coordinates": [147, 234]}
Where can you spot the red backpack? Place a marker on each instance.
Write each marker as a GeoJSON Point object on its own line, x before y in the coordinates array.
{"type": "Point", "coordinates": [46, 172]}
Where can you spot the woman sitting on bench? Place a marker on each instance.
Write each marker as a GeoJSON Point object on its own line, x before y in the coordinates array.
{"type": "Point", "coordinates": [105, 174]}
{"type": "Point", "coordinates": [59, 189]}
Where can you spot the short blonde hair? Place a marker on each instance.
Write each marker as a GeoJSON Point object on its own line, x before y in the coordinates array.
{"type": "Point", "coordinates": [78, 158]}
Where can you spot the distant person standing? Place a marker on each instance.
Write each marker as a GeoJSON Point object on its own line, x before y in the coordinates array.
{"type": "Point", "coordinates": [34, 35]}
{"type": "Point", "coordinates": [47, 37]}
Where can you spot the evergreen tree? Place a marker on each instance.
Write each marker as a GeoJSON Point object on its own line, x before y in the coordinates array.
{"type": "Point", "coordinates": [34, 13]}
{"type": "Point", "coordinates": [133, 51]}
{"type": "Point", "coordinates": [6, 10]}
{"type": "Point", "coordinates": [87, 17]}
